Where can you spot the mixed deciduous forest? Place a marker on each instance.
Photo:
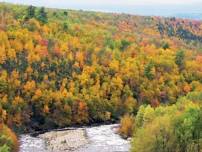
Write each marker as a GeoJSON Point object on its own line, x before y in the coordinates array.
{"type": "Point", "coordinates": [60, 68]}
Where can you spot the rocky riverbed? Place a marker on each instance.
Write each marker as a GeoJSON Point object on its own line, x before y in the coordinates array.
{"type": "Point", "coordinates": [88, 139]}
{"type": "Point", "coordinates": [68, 140]}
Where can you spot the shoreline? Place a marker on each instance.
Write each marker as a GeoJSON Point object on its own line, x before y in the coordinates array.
{"type": "Point", "coordinates": [35, 133]}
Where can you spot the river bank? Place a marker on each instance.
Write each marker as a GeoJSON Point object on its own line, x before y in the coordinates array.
{"type": "Point", "coordinates": [59, 141]}
{"type": "Point", "coordinates": [86, 139]}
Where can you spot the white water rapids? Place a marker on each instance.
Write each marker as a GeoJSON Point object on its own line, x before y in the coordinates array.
{"type": "Point", "coordinates": [100, 139]}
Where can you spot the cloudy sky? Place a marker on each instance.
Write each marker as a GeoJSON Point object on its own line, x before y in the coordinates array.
{"type": "Point", "coordinates": [142, 7]}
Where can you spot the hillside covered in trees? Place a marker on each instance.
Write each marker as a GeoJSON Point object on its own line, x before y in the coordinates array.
{"type": "Point", "coordinates": [60, 68]}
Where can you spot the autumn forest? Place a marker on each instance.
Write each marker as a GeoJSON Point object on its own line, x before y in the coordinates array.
{"type": "Point", "coordinates": [61, 68]}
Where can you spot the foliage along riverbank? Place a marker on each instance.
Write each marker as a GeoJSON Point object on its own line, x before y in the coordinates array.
{"type": "Point", "coordinates": [174, 128]}
{"type": "Point", "coordinates": [8, 140]}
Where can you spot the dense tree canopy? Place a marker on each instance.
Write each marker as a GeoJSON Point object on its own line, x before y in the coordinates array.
{"type": "Point", "coordinates": [176, 128]}
{"type": "Point", "coordinates": [60, 68]}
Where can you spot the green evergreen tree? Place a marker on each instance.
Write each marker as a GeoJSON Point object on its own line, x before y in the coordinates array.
{"type": "Point", "coordinates": [42, 15]}
{"type": "Point", "coordinates": [179, 59]}
{"type": "Point", "coordinates": [30, 12]}
{"type": "Point", "coordinates": [148, 71]}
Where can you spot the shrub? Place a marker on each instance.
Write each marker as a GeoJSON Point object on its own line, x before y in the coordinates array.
{"type": "Point", "coordinates": [8, 140]}
{"type": "Point", "coordinates": [126, 127]}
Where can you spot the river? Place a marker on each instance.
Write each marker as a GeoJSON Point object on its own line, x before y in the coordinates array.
{"type": "Point", "coordinates": [101, 138]}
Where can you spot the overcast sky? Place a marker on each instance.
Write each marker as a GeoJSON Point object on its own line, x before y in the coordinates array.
{"type": "Point", "coordinates": [101, 2]}
{"type": "Point", "coordinates": [142, 7]}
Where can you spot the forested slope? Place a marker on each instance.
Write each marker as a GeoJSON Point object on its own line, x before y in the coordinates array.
{"type": "Point", "coordinates": [62, 67]}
